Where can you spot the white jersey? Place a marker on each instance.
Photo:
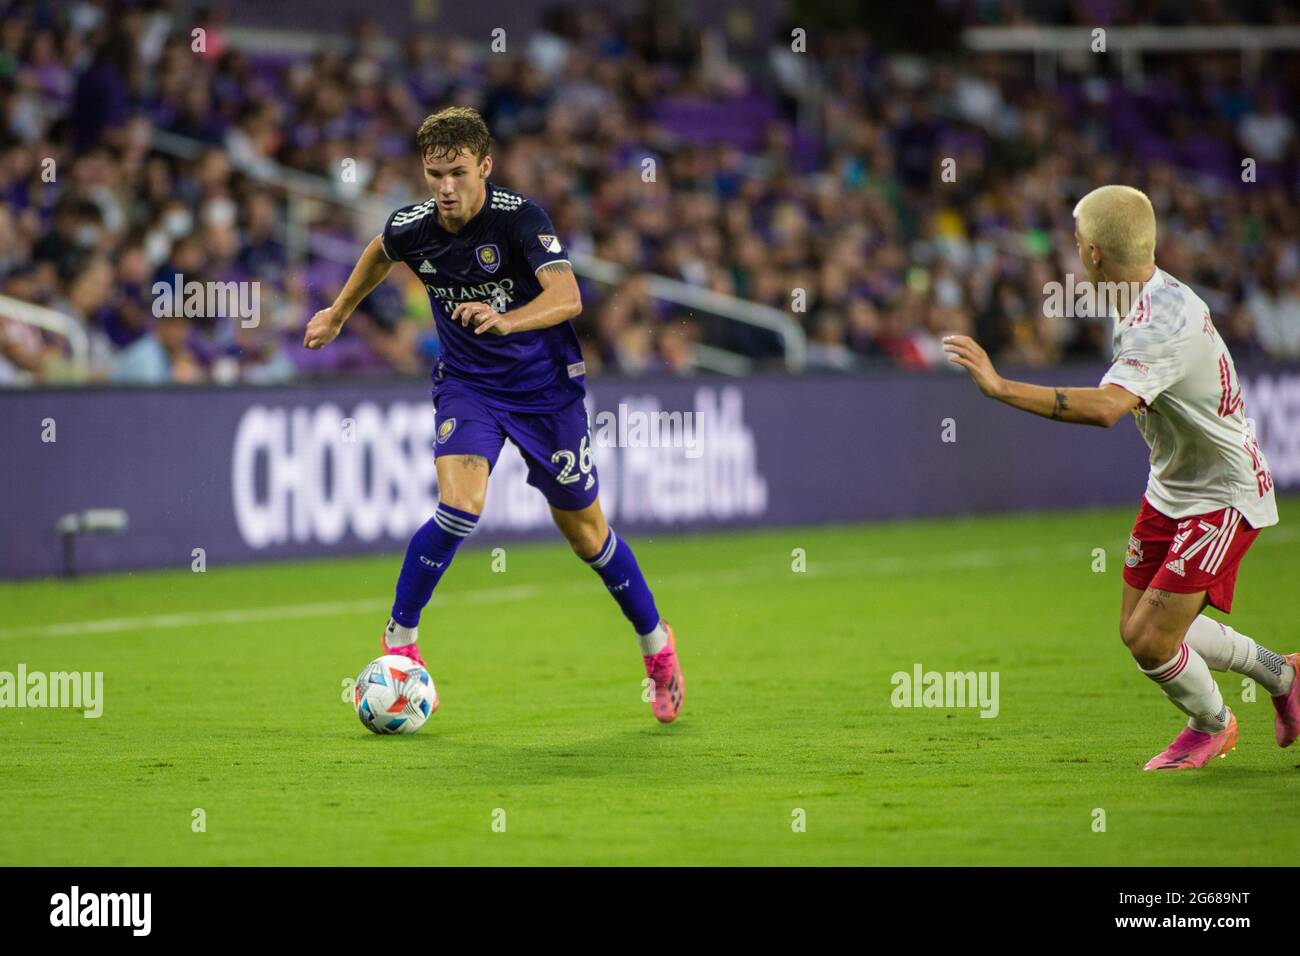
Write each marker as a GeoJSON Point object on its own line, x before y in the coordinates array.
{"type": "Point", "coordinates": [1204, 455]}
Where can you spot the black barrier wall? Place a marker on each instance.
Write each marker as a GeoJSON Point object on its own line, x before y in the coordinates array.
{"type": "Point", "coordinates": [317, 470]}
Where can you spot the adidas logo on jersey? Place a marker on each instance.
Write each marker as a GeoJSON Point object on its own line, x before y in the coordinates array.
{"type": "Point", "coordinates": [426, 268]}
{"type": "Point", "coordinates": [1177, 567]}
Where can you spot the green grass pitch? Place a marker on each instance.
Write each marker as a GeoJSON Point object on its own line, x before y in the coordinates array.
{"type": "Point", "coordinates": [223, 692]}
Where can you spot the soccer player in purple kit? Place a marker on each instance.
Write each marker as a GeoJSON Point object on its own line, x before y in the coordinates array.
{"type": "Point", "coordinates": [502, 294]}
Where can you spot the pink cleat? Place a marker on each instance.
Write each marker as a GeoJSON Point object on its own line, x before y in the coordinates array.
{"type": "Point", "coordinates": [1195, 748]}
{"type": "Point", "coordinates": [1286, 725]}
{"type": "Point", "coordinates": [404, 650]}
{"type": "Point", "coordinates": [670, 687]}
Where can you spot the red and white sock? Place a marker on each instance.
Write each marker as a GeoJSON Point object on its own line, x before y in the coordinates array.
{"type": "Point", "coordinates": [1225, 649]}
{"type": "Point", "coordinates": [1185, 679]}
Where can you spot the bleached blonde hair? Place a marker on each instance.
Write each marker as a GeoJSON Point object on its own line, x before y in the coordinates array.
{"type": "Point", "coordinates": [1121, 222]}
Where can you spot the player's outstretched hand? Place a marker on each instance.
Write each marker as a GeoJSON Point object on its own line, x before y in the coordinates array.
{"type": "Point", "coordinates": [965, 351]}
{"type": "Point", "coordinates": [322, 329]}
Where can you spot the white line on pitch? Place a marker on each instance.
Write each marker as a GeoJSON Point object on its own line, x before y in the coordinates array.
{"type": "Point", "coordinates": [880, 567]}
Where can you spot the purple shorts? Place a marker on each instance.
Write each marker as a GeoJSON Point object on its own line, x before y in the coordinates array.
{"type": "Point", "coordinates": [556, 445]}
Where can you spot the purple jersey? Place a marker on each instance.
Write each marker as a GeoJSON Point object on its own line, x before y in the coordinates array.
{"type": "Point", "coordinates": [493, 259]}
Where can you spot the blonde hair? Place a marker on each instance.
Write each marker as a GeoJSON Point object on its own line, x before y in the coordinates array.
{"type": "Point", "coordinates": [1121, 222]}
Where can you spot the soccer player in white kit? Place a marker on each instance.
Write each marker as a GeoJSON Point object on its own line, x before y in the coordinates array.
{"type": "Point", "coordinates": [1209, 492]}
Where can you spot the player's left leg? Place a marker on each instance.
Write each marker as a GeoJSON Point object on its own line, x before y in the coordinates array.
{"type": "Point", "coordinates": [556, 446]}
{"type": "Point", "coordinates": [1227, 649]}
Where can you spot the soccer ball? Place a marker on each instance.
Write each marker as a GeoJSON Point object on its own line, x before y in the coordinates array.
{"type": "Point", "coordinates": [394, 695]}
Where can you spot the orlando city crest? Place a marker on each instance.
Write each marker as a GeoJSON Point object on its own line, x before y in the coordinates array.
{"type": "Point", "coordinates": [445, 429]}
{"type": "Point", "coordinates": [489, 257]}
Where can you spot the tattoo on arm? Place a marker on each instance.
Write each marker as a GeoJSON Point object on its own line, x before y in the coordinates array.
{"type": "Point", "coordinates": [1157, 598]}
{"type": "Point", "coordinates": [1061, 405]}
{"type": "Point", "coordinates": [556, 267]}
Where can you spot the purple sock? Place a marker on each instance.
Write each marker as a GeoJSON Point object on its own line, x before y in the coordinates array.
{"type": "Point", "coordinates": [427, 557]}
{"type": "Point", "coordinates": [617, 567]}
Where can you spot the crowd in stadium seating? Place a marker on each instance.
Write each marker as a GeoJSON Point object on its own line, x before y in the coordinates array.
{"type": "Point", "coordinates": [913, 198]}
